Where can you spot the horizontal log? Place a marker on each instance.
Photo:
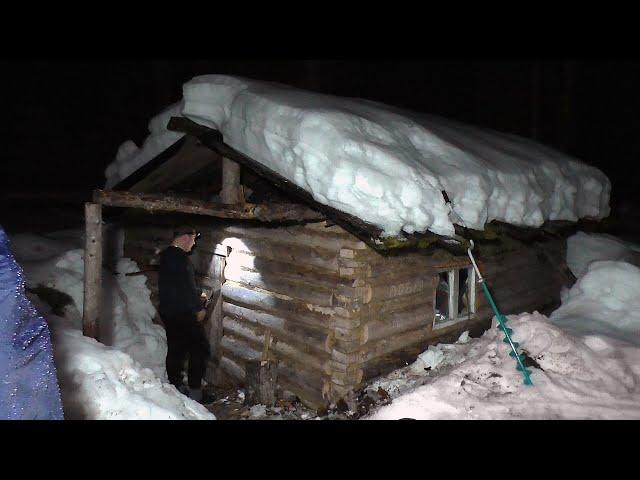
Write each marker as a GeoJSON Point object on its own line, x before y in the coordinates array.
{"type": "Point", "coordinates": [397, 322]}
{"type": "Point", "coordinates": [313, 315]}
{"type": "Point", "coordinates": [420, 285]}
{"type": "Point", "coordinates": [305, 378]}
{"type": "Point", "coordinates": [296, 235]}
{"type": "Point", "coordinates": [319, 340]}
{"type": "Point", "coordinates": [291, 271]}
{"type": "Point", "coordinates": [280, 348]}
{"type": "Point", "coordinates": [286, 253]}
{"type": "Point", "coordinates": [165, 203]}
{"type": "Point", "coordinates": [239, 349]}
{"type": "Point", "coordinates": [401, 341]}
{"type": "Point", "coordinates": [298, 289]}
{"type": "Point", "coordinates": [308, 395]}
{"type": "Point", "coordinates": [232, 369]}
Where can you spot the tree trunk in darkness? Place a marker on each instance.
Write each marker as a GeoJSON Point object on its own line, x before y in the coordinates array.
{"type": "Point", "coordinates": [566, 113]}
{"type": "Point", "coordinates": [162, 83]}
{"type": "Point", "coordinates": [535, 100]}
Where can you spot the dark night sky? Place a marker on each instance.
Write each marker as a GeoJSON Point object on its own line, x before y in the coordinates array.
{"type": "Point", "coordinates": [64, 120]}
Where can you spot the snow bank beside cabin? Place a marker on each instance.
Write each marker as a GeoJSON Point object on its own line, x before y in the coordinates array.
{"type": "Point", "coordinates": [383, 164]}
{"type": "Point", "coordinates": [606, 297]}
{"type": "Point", "coordinates": [104, 383]}
{"type": "Point", "coordinates": [588, 377]}
{"type": "Point", "coordinates": [126, 380]}
{"type": "Point", "coordinates": [584, 248]}
{"type": "Point", "coordinates": [58, 263]}
{"type": "Point", "coordinates": [585, 357]}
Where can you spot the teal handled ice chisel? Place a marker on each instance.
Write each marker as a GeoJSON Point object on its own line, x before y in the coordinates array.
{"type": "Point", "coordinates": [502, 320]}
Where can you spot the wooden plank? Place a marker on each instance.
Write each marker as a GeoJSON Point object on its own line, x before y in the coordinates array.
{"type": "Point", "coordinates": [92, 270]}
{"type": "Point", "coordinates": [166, 203]}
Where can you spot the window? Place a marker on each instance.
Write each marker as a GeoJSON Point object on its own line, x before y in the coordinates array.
{"type": "Point", "coordinates": [455, 296]}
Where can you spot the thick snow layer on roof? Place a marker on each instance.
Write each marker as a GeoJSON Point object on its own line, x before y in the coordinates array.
{"type": "Point", "coordinates": [126, 380]}
{"type": "Point", "coordinates": [382, 164]}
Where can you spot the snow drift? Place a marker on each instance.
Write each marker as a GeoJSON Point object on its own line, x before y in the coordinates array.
{"type": "Point", "coordinates": [58, 263]}
{"type": "Point", "coordinates": [589, 377]}
{"type": "Point", "coordinates": [380, 163]}
{"type": "Point", "coordinates": [125, 379]}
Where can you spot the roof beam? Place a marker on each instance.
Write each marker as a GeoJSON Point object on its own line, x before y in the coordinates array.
{"type": "Point", "coordinates": [271, 212]}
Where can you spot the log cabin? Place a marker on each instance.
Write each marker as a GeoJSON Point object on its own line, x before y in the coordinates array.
{"type": "Point", "coordinates": [310, 301]}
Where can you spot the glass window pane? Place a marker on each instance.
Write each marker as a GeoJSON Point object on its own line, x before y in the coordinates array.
{"type": "Point", "coordinates": [463, 292]}
{"type": "Point", "coordinates": [442, 298]}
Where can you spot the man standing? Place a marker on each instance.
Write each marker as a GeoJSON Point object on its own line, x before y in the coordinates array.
{"type": "Point", "coordinates": [182, 312]}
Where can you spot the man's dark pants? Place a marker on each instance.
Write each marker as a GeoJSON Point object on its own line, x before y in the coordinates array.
{"type": "Point", "coordinates": [185, 336]}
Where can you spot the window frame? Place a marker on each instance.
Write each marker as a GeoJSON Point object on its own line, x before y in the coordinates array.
{"type": "Point", "coordinates": [453, 277]}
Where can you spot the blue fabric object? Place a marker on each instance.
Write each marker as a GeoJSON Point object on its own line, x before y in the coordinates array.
{"type": "Point", "coordinates": [28, 380]}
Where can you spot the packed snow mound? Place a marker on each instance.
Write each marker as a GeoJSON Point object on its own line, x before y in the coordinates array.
{"type": "Point", "coordinates": [605, 301]}
{"type": "Point", "coordinates": [589, 377]}
{"type": "Point", "coordinates": [103, 383]}
{"type": "Point", "coordinates": [382, 164]}
{"type": "Point", "coordinates": [126, 380]}
{"type": "Point", "coordinates": [126, 300]}
{"type": "Point", "coordinates": [584, 248]}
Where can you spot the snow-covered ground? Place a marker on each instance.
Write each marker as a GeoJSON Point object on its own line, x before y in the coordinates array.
{"type": "Point", "coordinates": [124, 379]}
{"type": "Point", "coordinates": [382, 164]}
{"type": "Point", "coordinates": [585, 358]}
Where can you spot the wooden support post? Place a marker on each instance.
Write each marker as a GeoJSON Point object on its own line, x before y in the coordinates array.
{"type": "Point", "coordinates": [231, 192]}
{"type": "Point", "coordinates": [263, 375]}
{"type": "Point", "coordinates": [92, 270]}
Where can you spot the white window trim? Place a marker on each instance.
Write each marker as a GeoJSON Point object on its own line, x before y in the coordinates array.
{"type": "Point", "coordinates": [453, 277]}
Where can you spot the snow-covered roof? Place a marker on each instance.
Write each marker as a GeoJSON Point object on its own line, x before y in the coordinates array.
{"type": "Point", "coordinates": [384, 165]}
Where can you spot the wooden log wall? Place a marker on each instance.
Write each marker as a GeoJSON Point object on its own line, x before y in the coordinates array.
{"type": "Point", "coordinates": [397, 320]}
{"type": "Point", "coordinates": [291, 283]}
{"type": "Point", "coordinates": [337, 312]}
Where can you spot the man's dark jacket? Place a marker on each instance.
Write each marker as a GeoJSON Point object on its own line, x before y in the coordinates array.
{"type": "Point", "coordinates": [177, 284]}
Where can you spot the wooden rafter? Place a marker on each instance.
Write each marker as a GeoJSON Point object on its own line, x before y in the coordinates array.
{"type": "Point", "coordinates": [271, 212]}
